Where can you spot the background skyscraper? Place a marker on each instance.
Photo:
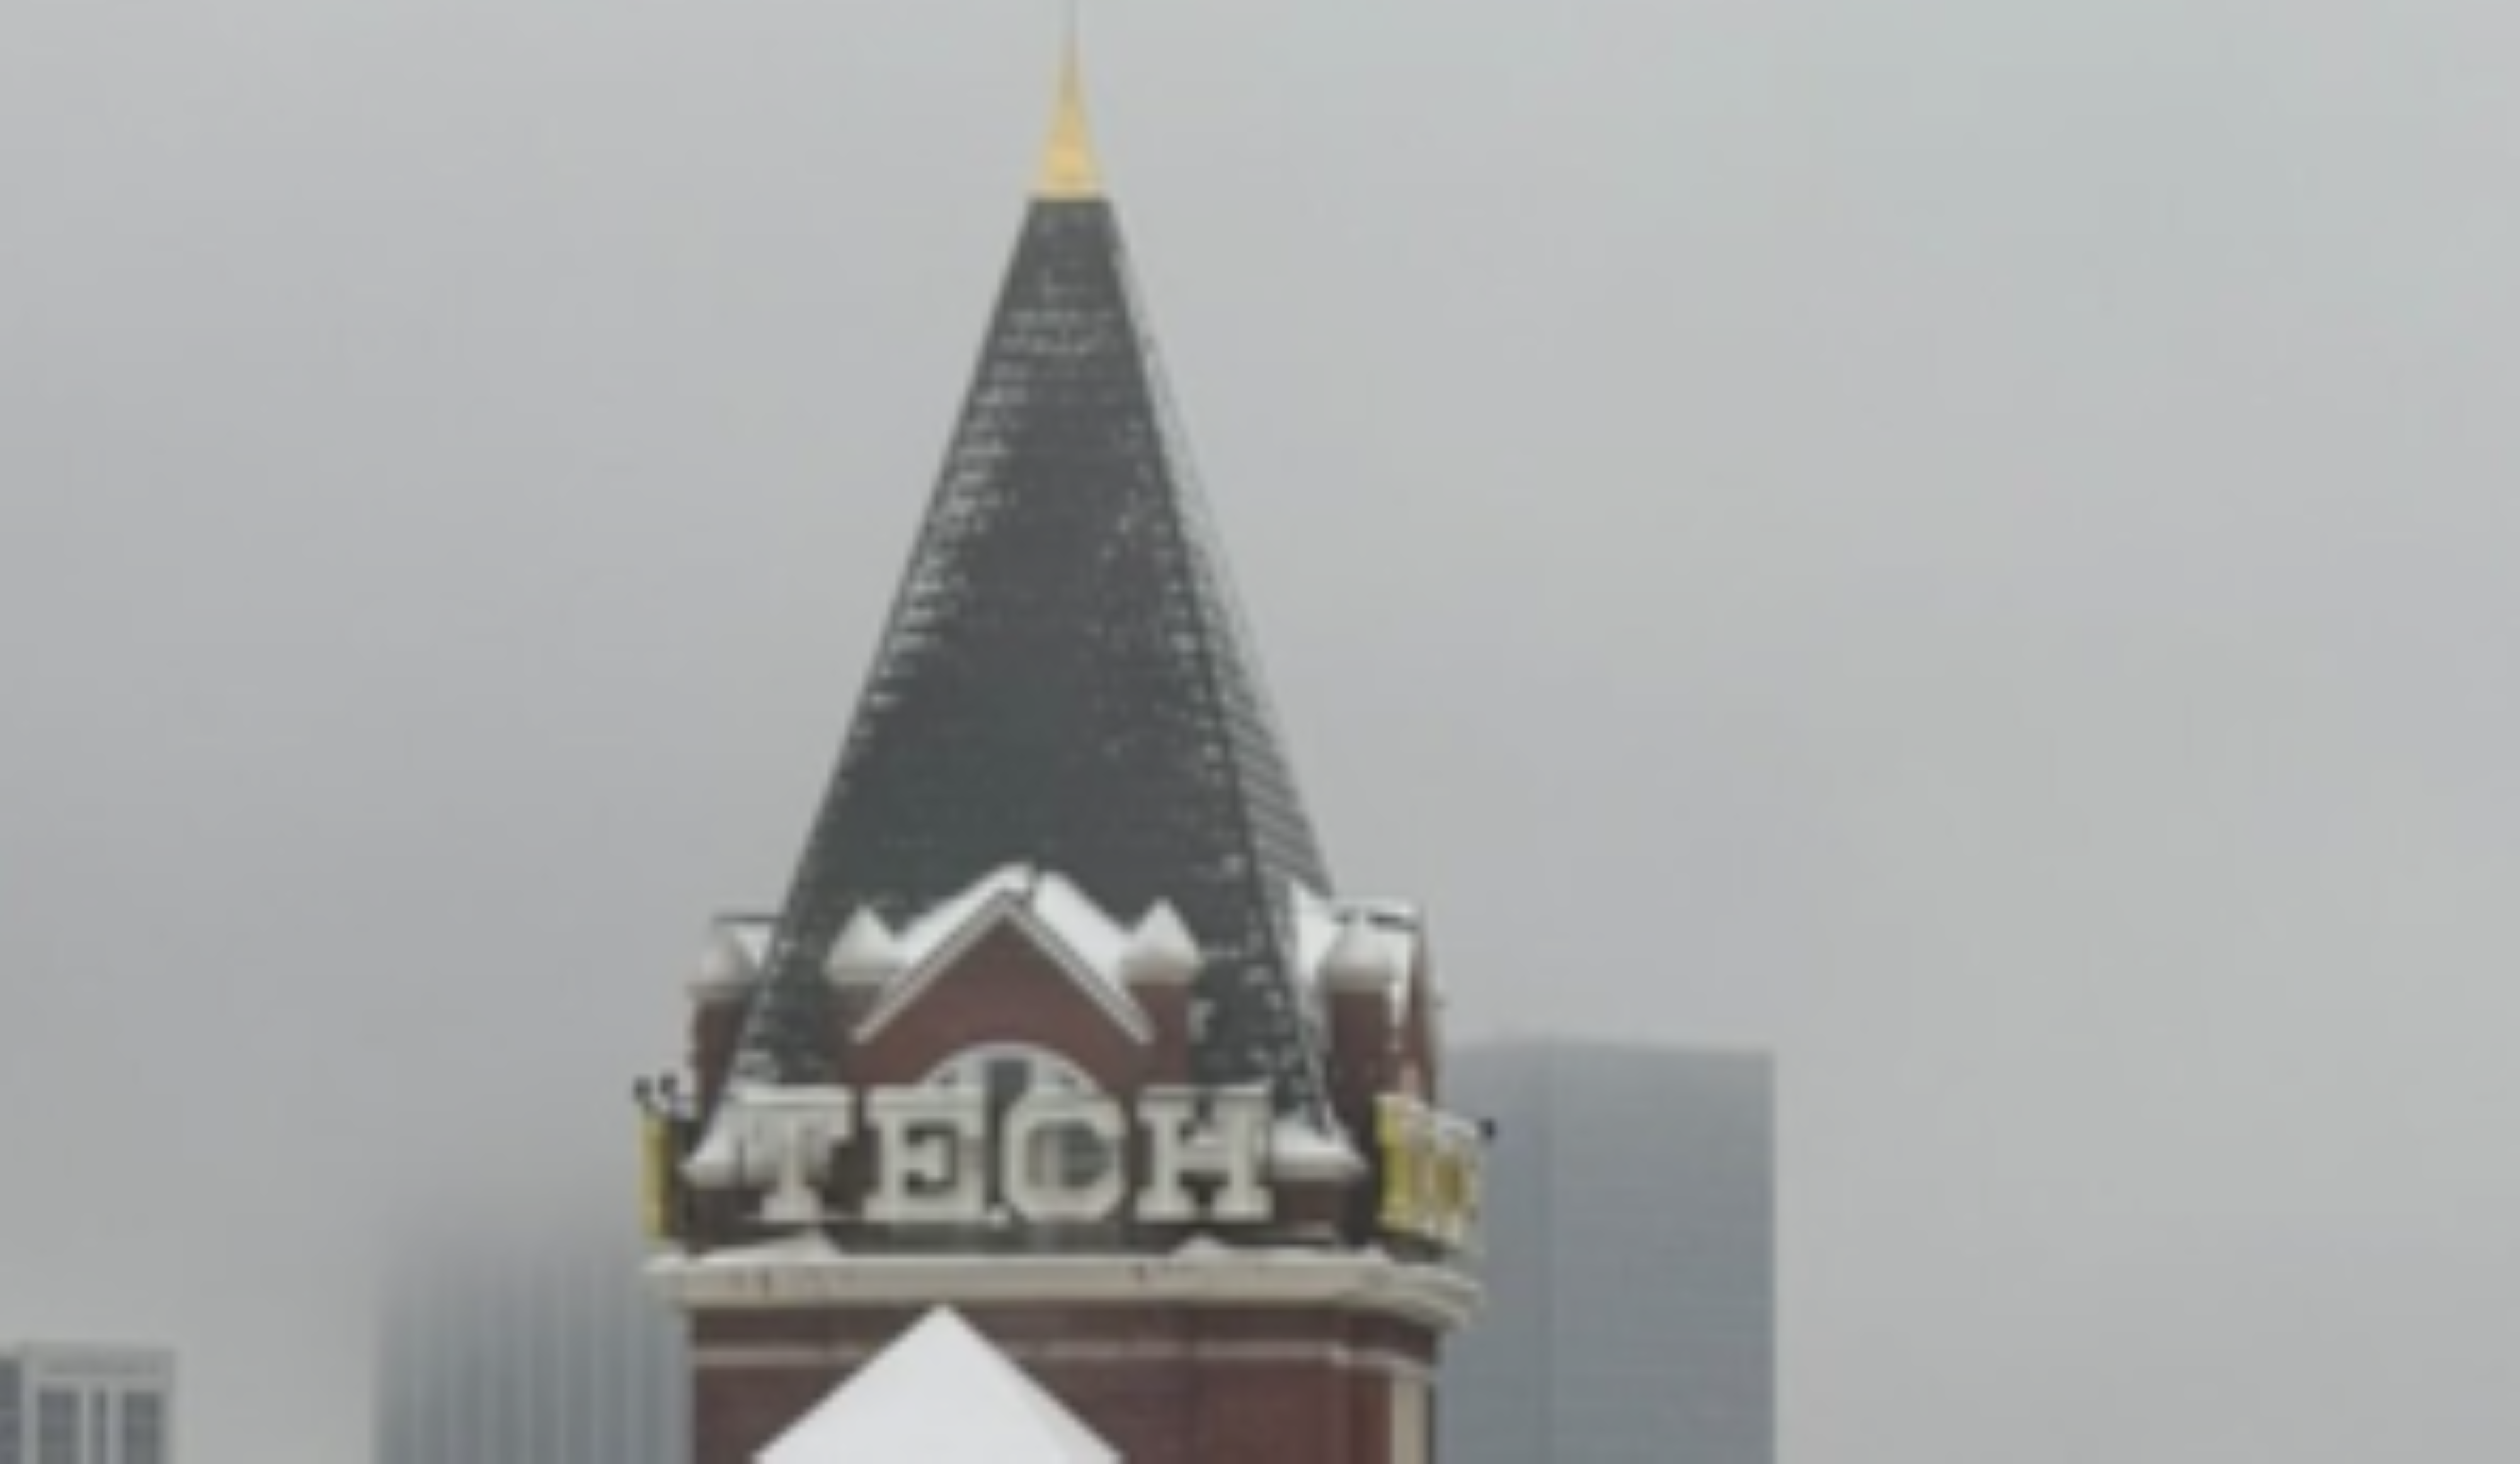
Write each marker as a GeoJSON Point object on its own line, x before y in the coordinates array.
{"type": "Point", "coordinates": [539, 1346]}
{"type": "Point", "coordinates": [75, 1403]}
{"type": "Point", "coordinates": [1631, 1258]}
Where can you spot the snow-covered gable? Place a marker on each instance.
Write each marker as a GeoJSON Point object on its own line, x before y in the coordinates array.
{"type": "Point", "coordinates": [1084, 942]}
{"type": "Point", "coordinates": [940, 1395]}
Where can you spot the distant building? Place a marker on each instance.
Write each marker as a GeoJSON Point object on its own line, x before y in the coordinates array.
{"type": "Point", "coordinates": [535, 1348]}
{"type": "Point", "coordinates": [78, 1403]}
{"type": "Point", "coordinates": [1631, 1258]}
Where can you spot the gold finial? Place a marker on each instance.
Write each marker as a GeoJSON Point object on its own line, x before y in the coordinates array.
{"type": "Point", "coordinates": [1068, 170]}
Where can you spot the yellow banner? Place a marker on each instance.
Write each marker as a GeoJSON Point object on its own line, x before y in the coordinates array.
{"type": "Point", "coordinates": [656, 1176]}
{"type": "Point", "coordinates": [1432, 1177]}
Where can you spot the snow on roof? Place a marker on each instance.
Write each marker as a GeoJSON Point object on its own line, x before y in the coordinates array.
{"type": "Point", "coordinates": [756, 1132]}
{"type": "Point", "coordinates": [1320, 921]}
{"type": "Point", "coordinates": [804, 1244]}
{"type": "Point", "coordinates": [1316, 929]}
{"type": "Point", "coordinates": [1297, 1150]}
{"type": "Point", "coordinates": [1088, 943]}
{"type": "Point", "coordinates": [1091, 936]}
{"type": "Point", "coordinates": [1081, 924]}
{"type": "Point", "coordinates": [1362, 959]}
{"type": "Point", "coordinates": [747, 935]}
{"type": "Point", "coordinates": [940, 1395]}
{"type": "Point", "coordinates": [930, 929]}
{"type": "Point", "coordinates": [864, 953]}
{"type": "Point", "coordinates": [1161, 949]}
{"type": "Point", "coordinates": [732, 961]}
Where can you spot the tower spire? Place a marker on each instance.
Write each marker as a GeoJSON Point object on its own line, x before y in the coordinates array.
{"type": "Point", "coordinates": [1066, 680]}
{"type": "Point", "coordinates": [1069, 167]}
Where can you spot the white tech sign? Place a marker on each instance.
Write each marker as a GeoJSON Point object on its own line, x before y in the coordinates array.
{"type": "Point", "coordinates": [1055, 1156]}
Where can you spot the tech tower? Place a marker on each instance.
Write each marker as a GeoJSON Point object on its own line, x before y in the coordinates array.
{"type": "Point", "coordinates": [1062, 1024]}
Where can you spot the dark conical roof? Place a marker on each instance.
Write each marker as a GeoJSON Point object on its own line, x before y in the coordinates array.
{"type": "Point", "coordinates": [1066, 683]}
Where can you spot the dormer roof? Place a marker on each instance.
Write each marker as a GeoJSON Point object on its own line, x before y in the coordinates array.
{"type": "Point", "coordinates": [1084, 944]}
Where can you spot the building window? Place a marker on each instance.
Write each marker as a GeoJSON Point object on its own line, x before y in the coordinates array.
{"type": "Point", "coordinates": [10, 1426]}
{"type": "Point", "coordinates": [57, 1427]}
{"type": "Point", "coordinates": [144, 1429]}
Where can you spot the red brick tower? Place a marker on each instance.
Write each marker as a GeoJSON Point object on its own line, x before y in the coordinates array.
{"type": "Point", "coordinates": [1061, 1024]}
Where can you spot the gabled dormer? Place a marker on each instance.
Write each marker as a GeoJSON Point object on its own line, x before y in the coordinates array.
{"type": "Point", "coordinates": [1022, 957]}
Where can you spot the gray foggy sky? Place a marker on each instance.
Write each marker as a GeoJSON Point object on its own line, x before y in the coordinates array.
{"type": "Point", "coordinates": [1967, 543]}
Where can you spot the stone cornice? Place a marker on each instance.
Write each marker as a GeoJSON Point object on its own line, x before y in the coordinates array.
{"type": "Point", "coordinates": [787, 1278]}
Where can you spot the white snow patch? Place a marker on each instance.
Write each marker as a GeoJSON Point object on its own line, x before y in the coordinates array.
{"type": "Point", "coordinates": [1299, 1151]}
{"type": "Point", "coordinates": [940, 1395]}
{"type": "Point", "coordinates": [1161, 950]}
{"type": "Point", "coordinates": [864, 954]}
{"type": "Point", "coordinates": [805, 1245]}
{"type": "Point", "coordinates": [731, 963]}
{"type": "Point", "coordinates": [1321, 923]}
{"type": "Point", "coordinates": [1081, 925]}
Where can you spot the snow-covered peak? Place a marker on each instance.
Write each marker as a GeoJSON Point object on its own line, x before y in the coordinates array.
{"type": "Point", "coordinates": [1160, 952]}
{"type": "Point", "coordinates": [731, 964]}
{"type": "Point", "coordinates": [1375, 941]}
{"type": "Point", "coordinates": [1080, 924]}
{"type": "Point", "coordinates": [1362, 959]}
{"type": "Point", "coordinates": [865, 954]}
